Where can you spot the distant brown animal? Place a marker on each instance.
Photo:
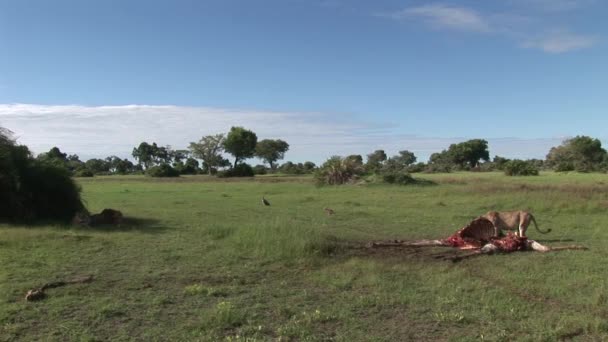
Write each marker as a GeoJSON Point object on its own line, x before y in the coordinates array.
{"type": "Point", "coordinates": [512, 220]}
{"type": "Point", "coordinates": [329, 211]}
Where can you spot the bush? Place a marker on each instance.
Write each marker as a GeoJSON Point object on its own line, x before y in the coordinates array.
{"type": "Point", "coordinates": [83, 173]}
{"type": "Point", "coordinates": [414, 168]}
{"type": "Point", "coordinates": [402, 178]}
{"type": "Point", "coordinates": [34, 190]}
{"type": "Point", "coordinates": [438, 168]}
{"type": "Point", "coordinates": [518, 167]}
{"type": "Point", "coordinates": [163, 170]}
{"type": "Point", "coordinates": [241, 170]}
{"type": "Point", "coordinates": [260, 170]}
{"type": "Point", "coordinates": [337, 170]}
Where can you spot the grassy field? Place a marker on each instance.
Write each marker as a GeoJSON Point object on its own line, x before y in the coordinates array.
{"type": "Point", "coordinates": [203, 259]}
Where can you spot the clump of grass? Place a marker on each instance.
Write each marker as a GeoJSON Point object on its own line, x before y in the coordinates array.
{"type": "Point", "coordinates": [220, 232]}
{"type": "Point", "coordinates": [300, 326]}
{"type": "Point", "coordinates": [283, 240]}
{"type": "Point", "coordinates": [111, 310]}
{"type": "Point", "coordinates": [199, 289]}
{"type": "Point", "coordinates": [224, 315]}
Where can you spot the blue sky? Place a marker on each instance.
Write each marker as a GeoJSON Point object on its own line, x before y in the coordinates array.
{"type": "Point", "coordinates": [328, 76]}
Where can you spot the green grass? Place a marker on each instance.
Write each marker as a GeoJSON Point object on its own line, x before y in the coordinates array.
{"type": "Point", "coordinates": [203, 259]}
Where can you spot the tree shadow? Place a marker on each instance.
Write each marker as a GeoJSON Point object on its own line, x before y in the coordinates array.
{"type": "Point", "coordinates": [424, 182]}
{"type": "Point", "coordinates": [554, 240]}
{"type": "Point", "coordinates": [130, 223]}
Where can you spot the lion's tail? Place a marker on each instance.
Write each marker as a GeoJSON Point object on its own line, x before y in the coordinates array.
{"type": "Point", "coordinates": [536, 226]}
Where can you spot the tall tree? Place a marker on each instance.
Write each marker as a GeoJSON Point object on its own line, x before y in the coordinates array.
{"type": "Point", "coordinates": [405, 158]}
{"type": "Point", "coordinates": [144, 154]}
{"type": "Point", "coordinates": [469, 152]}
{"type": "Point", "coordinates": [375, 160]}
{"type": "Point", "coordinates": [97, 165]}
{"type": "Point", "coordinates": [271, 150]}
{"type": "Point", "coordinates": [240, 142]}
{"type": "Point", "coordinates": [580, 153]}
{"type": "Point", "coordinates": [55, 157]}
{"type": "Point", "coordinates": [209, 150]}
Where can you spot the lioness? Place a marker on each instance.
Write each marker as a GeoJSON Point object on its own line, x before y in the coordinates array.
{"type": "Point", "coordinates": [512, 220]}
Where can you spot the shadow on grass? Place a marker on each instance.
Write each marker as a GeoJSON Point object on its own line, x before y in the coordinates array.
{"type": "Point", "coordinates": [130, 223]}
{"type": "Point", "coordinates": [554, 240]}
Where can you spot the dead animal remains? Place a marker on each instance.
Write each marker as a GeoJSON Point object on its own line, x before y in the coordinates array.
{"type": "Point", "coordinates": [477, 236]}
{"type": "Point", "coordinates": [39, 294]}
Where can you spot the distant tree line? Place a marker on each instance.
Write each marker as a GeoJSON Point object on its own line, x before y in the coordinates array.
{"type": "Point", "coordinates": [207, 156]}
{"type": "Point", "coordinates": [581, 154]}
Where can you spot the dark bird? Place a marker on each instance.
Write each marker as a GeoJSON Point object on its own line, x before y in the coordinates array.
{"type": "Point", "coordinates": [266, 203]}
{"type": "Point", "coordinates": [329, 211]}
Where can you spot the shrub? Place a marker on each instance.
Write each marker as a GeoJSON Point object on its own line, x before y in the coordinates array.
{"type": "Point", "coordinates": [163, 170]}
{"type": "Point", "coordinates": [83, 173]}
{"type": "Point", "coordinates": [337, 170]}
{"type": "Point", "coordinates": [259, 170]}
{"type": "Point", "coordinates": [34, 190]}
{"type": "Point", "coordinates": [241, 170]}
{"type": "Point", "coordinates": [414, 168]}
{"type": "Point", "coordinates": [518, 167]}
{"type": "Point", "coordinates": [402, 178]}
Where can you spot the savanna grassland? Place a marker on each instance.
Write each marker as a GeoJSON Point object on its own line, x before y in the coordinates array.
{"type": "Point", "coordinates": [202, 259]}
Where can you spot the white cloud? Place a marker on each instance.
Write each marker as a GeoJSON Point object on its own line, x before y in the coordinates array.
{"type": "Point", "coordinates": [519, 27]}
{"type": "Point", "coordinates": [555, 5]}
{"type": "Point", "coordinates": [446, 17]}
{"type": "Point", "coordinates": [560, 42]}
{"type": "Point", "coordinates": [114, 130]}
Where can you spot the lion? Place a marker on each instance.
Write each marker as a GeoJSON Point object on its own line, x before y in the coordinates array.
{"type": "Point", "coordinates": [512, 220]}
{"type": "Point", "coordinates": [329, 211]}
{"type": "Point", "coordinates": [107, 216]}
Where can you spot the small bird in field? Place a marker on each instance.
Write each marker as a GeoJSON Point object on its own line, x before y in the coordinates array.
{"type": "Point", "coordinates": [329, 211]}
{"type": "Point", "coordinates": [265, 201]}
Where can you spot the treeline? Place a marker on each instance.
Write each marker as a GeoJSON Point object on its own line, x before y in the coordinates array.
{"type": "Point", "coordinates": [205, 156]}
{"type": "Point", "coordinates": [581, 154]}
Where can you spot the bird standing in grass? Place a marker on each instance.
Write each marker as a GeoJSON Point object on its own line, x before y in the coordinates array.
{"type": "Point", "coordinates": [265, 201]}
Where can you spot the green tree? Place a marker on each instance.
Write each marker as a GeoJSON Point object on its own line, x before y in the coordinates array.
{"type": "Point", "coordinates": [209, 150]}
{"type": "Point", "coordinates": [581, 153]}
{"type": "Point", "coordinates": [241, 143]}
{"type": "Point", "coordinates": [309, 167]}
{"type": "Point", "coordinates": [499, 162]}
{"type": "Point", "coordinates": [375, 161]}
{"type": "Point", "coordinates": [97, 165]}
{"type": "Point", "coordinates": [399, 162]}
{"type": "Point", "coordinates": [271, 150]}
{"type": "Point", "coordinates": [469, 153]}
{"type": "Point", "coordinates": [405, 158]}
{"type": "Point", "coordinates": [54, 156]}
{"type": "Point", "coordinates": [356, 158]}
{"type": "Point", "coordinates": [145, 153]}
